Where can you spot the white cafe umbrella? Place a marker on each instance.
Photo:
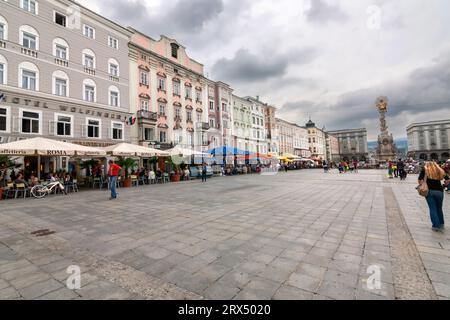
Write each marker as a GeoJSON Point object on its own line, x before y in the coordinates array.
{"type": "Point", "coordinates": [47, 147]}
{"type": "Point", "coordinates": [132, 150]}
{"type": "Point", "coordinates": [186, 152]}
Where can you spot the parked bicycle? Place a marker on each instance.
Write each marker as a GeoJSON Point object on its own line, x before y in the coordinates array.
{"type": "Point", "coordinates": [43, 190]}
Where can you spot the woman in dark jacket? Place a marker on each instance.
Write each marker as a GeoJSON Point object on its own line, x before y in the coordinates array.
{"type": "Point", "coordinates": [434, 175]}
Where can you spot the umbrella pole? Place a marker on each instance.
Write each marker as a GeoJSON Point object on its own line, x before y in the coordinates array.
{"type": "Point", "coordinates": [39, 167]}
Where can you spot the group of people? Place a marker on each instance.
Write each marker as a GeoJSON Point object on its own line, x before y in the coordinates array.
{"type": "Point", "coordinates": [115, 170]}
{"type": "Point", "coordinates": [343, 166]}
{"type": "Point", "coordinates": [230, 170]}
{"type": "Point", "coordinates": [151, 175]}
{"type": "Point", "coordinates": [11, 179]}
{"type": "Point", "coordinates": [19, 177]}
{"type": "Point", "coordinates": [397, 170]}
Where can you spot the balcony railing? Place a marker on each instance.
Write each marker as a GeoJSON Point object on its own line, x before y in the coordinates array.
{"type": "Point", "coordinates": [2, 44]}
{"type": "Point", "coordinates": [148, 115]}
{"type": "Point", "coordinates": [62, 62]}
{"type": "Point", "coordinates": [89, 71]}
{"type": "Point", "coordinates": [203, 126]}
{"type": "Point", "coordinates": [29, 52]}
{"type": "Point", "coordinates": [114, 78]}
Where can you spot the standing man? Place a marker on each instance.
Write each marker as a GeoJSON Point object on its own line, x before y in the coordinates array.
{"type": "Point", "coordinates": [113, 173]}
{"type": "Point", "coordinates": [325, 166]}
{"type": "Point", "coordinates": [204, 171]}
{"type": "Point", "coordinates": [401, 169]}
{"type": "Point", "coordinates": [355, 166]}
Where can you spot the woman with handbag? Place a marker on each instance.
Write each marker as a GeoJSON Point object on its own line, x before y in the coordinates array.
{"type": "Point", "coordinates": [431, 188]}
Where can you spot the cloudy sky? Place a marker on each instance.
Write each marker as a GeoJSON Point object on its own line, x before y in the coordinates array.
{"type": "Point", "coordinates": [324, 59]}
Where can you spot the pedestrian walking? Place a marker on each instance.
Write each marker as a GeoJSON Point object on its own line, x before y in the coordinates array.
{"type": "Point", "coordinates": [113, 173]}
{"type": "Point", "coordinates": [432, 175]}
{"type": "Point", "coordinates": [390, 171]}
{"type": "Point", "coordinates": [395, 169]}
{"type": "Point", "coordinates": [325, 167]}
{"type": "Point", "coordinates": [355, 166]}
{"type": "Point", "coordinates": [204, 172]}
{"type": "Point", "coordinates": [401, 169]}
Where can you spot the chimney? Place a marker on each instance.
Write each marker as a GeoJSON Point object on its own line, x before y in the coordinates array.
{"type": "Point", "coordinates": [257, 98]}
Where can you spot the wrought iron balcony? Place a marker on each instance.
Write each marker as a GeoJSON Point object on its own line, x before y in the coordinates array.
{"type": "Point", "coordinates": [148, 115]}
{"type": "Point", "coordinates": [203, 126]}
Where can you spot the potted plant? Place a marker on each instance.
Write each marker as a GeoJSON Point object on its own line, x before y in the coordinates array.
{"type": "Point", "coordinates": [127, 164]}
{"type": "Point", "coordinates": [175, 171]}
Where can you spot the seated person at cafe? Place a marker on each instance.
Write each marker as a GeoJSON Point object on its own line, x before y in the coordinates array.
{"type": "Point", "coordinates": [187, 173]}
{"type": "Point", "coordinates": [52, 177]}
{"type": "Point", "coordinates": [34, 181]}
{"type": "Point", "coordinates": [19, 179]}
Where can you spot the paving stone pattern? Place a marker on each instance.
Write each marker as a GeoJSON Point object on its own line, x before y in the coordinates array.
{"type": "Point", "coordinates": [297, 235]}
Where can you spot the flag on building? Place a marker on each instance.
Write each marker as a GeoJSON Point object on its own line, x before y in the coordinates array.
{"type": "Point", "coordinates": [131, 121]}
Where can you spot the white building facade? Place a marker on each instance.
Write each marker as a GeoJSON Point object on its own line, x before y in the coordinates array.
{"type": "Point", "coordinates": [429, 140]}
{"type": "Point", "coordinates": [64, 74]}
{"type": "Point", "coordinates": [352, 144]}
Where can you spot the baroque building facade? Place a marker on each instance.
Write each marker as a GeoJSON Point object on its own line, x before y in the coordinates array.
{"type": "Point", "coordinates": [169, 94]}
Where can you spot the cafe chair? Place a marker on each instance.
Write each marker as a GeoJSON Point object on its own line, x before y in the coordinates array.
{"type": "Point", "coordinates": [21, 189]}
{"type": "Point", "coordinates": [134, 181]}
{"type": "Point", "coordinates": [166, 177]}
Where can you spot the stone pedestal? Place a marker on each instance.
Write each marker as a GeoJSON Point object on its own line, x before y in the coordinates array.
{"type": "Point", "coordinates": [387, 150]}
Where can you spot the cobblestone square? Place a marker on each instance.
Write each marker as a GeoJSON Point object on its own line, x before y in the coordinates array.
{"type": "Point", "coordinates": [296, 235]}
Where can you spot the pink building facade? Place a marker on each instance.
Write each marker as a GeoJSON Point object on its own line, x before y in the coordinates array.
{"type": "Point", "coordinates": [169, 94]}
{"type": "Point", "coordinates": [173, 102]}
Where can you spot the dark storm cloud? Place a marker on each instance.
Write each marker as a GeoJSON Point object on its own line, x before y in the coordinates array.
{"type": "Point", "coordinates": [187, 14]}
{"type": "Point", "coordinates": [178, 17]}
{"type": "Point", "coordinates": [321, 12]}
{"type": "Point", "coordinates": [304, 105]}
{"type": "Point", "coordinates": [247, 66]}
{"type": "Point", "coordinates": [425, 90]}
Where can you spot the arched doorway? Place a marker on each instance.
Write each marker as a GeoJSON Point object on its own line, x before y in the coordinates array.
{"type": "Point", "coordinates": [434, 156]}
{"type": "Point", "coordinates": [423, 156]}
{"type": "Point", "coordinates": [445, 156]}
